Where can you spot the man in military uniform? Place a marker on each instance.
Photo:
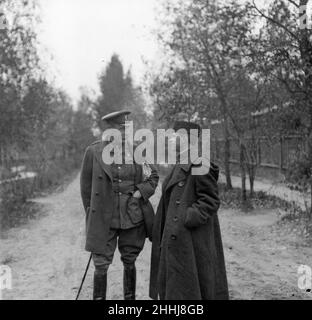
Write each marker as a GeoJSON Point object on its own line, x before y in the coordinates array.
{"type": "Point", "coordinates": [106, 191]}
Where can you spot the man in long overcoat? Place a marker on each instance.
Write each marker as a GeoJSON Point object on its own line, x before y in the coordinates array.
{"type": "Point", "coordinates": [105, 191]}
{"type": "Point", "coordinates": [187, 260]}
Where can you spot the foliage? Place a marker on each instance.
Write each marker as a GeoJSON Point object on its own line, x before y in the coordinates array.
{"type": "Point", "coordinates": [231, 61]}
{"type": "Point", "coordinates": [112, 86]}
{"type": "Point", "coordinates": [118, 93]}
{"type": "Point", "coordinates": [39, 129]}
{"type": "Point", "coordinates": [19, 63]}
{"type": "Point", "coordinates": [300, 172]}
{"type": "Point", "coordinates": [286, 55]}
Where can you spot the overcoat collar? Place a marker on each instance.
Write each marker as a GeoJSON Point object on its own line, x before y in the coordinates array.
{"type": "Point", "coordinates": [98, 154]}
{"type": "Point", "coordinates": [179, 174]}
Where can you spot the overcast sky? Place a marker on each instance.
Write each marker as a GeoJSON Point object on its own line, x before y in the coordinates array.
{"type": "Point", "coordinates": [83, 34]}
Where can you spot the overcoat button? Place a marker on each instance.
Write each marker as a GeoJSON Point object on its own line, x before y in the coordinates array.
{"type": "Point", "coordinates": [175, 219]}
{"type": "Point", "coordinates": [178, 202]}
{"type": "Point", "coordinates": [100, 177]}
{"type": "Point", "coordinates": [173, 237]}
{"type": "Point", "coordinates": [120, 193]}
{"type": "Point", "coordinates": [97, 194]}
{"type": "Point", "coordinates": [181, 183]}
{"type": "Point", "coordinates": [93, 210]}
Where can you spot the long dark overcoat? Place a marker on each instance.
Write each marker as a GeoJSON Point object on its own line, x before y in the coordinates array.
{"type": "Point", "coordinates": [187, 254]}
{"type": "Point", "coordinates": [98, 197]}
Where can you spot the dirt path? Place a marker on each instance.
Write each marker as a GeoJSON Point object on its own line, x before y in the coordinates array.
{"type": "Point", "coordinates": [47, 257]}
{"type": "Point", "coordinates": [262, 261]}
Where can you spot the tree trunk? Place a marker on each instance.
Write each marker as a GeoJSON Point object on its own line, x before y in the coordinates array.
{"type": "Point", "coordinates": [1, 156]}
{"type": "Point", "coordinates": [227, 155]}
{"type": "Point", "coordinates": [311, 199]}
{"type": "Point", "coordinates": [243, 174]}
{"type": "Point", "coordinates": [310, 157]}
{"type": "Point", "coordinates": [251, 181]}
{"type": "Point", "coordinates": [251, 175]}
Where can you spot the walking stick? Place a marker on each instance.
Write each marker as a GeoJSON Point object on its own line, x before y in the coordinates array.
{"type": "Point", "coordinates": [84, 277]}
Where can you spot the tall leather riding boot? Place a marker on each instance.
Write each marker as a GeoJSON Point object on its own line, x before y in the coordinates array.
{"type": "Point", "coordinates": [99, 286]}
{"type": "Point", "coordinates": [129, 281]}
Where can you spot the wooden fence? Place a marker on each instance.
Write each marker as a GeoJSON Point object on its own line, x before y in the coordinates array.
{"type": "Point", "coordinates": [277, 155]}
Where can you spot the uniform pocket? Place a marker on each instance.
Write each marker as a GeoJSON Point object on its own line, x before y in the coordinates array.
{"type": "Point", "coordinates": [134, 210]}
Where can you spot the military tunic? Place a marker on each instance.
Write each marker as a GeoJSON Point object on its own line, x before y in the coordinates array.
{"type": "Point", "coordinates": [124, 180]}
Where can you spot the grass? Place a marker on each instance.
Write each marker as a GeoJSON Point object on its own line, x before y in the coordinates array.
{"type": "Point", "coordinates": [292, 217]}
{"type": "Point", "coordinates": [18, 214]}
{"type": "Point", "coordinates": [17, 210]}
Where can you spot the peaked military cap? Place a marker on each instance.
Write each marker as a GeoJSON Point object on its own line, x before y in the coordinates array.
{"type": "Point", "coordinates": [117, 117]}
{"type": "Point", "coordinates": [186, 125]}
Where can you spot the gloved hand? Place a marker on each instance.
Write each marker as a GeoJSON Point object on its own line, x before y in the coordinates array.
{"type": "Point", "coordinates": [137, 194]}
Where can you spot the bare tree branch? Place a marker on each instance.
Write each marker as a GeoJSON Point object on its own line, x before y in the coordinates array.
{"type": "Point", "coordinates": [274, 21]}
{"type": "Point", "coordinates": [294, 3]}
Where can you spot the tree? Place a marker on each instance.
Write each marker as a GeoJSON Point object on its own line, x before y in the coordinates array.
{"type": "Point", "coordinates": [19, 63]}
{"type": "Point", "coordinates": [287, 51]}
{"type": "Point", "coordinates": [118, 92]}
{"type": "Point", "coordinates": [209, 39]}
{"type": "Point", "coordinates": [47, 126]}
{"type": "Point", "coordinates": [112, 85]}
{"type": "Point", "coordinates": [134, 101]}
{"type": "Point", "coordinates": [82, 123]}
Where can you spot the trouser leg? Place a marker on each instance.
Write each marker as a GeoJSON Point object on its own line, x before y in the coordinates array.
{"type": "Point", "coordinates": [130, 244]}
{"type": "Point", "coordinates": [102, 262]}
